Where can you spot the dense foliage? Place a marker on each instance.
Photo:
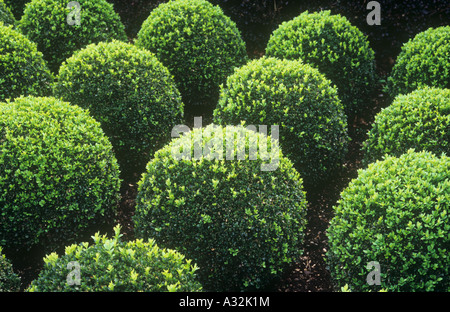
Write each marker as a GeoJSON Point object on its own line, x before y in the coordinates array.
{"type": "Point", "coordinates": [423, 61]}
{"type": "Point", "coordinates": [58, 175]}
{"type": "Point", "coordinates": [116, 265]}
{"type": "Point", "coordinates": [6, 17]}
{"type": "Point", "coordinates": [46, 22]}
{"type": "Point", "coordinates": [129, 92]}
{"type": "Point", "coordinates": [395, 213]}
{"type": "Point", "coordinates": [298, 98]}
{"type": "Point", "coordinates": [9, 280]}
{"type": "Point", "coordinates": [419, 120]}
{"type": "Point", "coordinates": [199, 45]}
{"type": "Point", "coordinates": [240, 221]}
{"type": "Point", "coordinates": [23, 69]}
{"type": "Point", "coordinates": [334, 46]}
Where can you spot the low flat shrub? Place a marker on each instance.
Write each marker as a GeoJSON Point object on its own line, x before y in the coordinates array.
{"type": "Point", "coordinates": [332, 44]}
{"type": "Point", "coordinates": [241, 222]}
{"type": "Point", "coordinates": [58, 175]}
{"type": "Point", "coordinates": [131, 94]}
{"type": "Point", "coordinates": [298, 98]}
{"type": "Point", "coordinates": [116, 265]}
{"type": "Point", "coordinates": [395, 213]}
{"type": "Point", "coordinates": [419, 120]}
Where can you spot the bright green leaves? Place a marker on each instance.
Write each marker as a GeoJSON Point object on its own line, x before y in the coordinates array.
{"type": "Point", "coordinates": [241, 225]}
{"type": "Point", "coordinates": [395, 213]}
{"type": "Point", "coordinates": [58, 174]}
{"type": "Point", "coordinates": [418, 120]}
{"type": "Point", "coordinates": [338, 49]}
{"type": "Point", "coordinates": [423, 61]}
{"type": "Point", "coordinates": [114, 265]}
{"type": "Point", "coordinates": [298, 98]}
{"type": "Point", "coordinates": [199, 45]}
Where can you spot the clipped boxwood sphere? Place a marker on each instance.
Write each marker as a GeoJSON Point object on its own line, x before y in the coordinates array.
{"type": "Point", "coordinates": [23, 69]}
{"type": "Point", "coordinates": [58, 175]}
{"type": "Point", "coordinates": [116, 265]}
{"type": "Point", "coordinates": [298, 98]}
{"type": "Point", "coordinates": [395, 214]}
{"type": "Point", "coordinates": [337, 48]}
{"type": "Point", "coordinates": [129, 92]}
{"type": "Point", "coordinates": [46, 22]}
{"type": "Point", "coordinates": [419, 120]}
{"type": "Point", "coordinates": [6, 17]}
{"type": "Point", "coordinates": [423, 61]}
{"type": "Point", "coordinates": [198, 44]}
{"type": "Point", "coordinates": [9, 280]}
{"type": "Point", "coordinates": [206, 195]}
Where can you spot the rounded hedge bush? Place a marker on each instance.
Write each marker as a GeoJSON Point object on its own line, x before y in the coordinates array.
{"type": "Point", "coordinates": [423, 61]}
{"type": "Point", "coordinates": [9, 280]}
{"type": "Point", "coordinates": [298, 98]}
{"type": "Point", "coordinates": [116, 265]}
{"type": "Point", "coordinates": [395, 213]}
{"type": "Point", "coordinates": [6, 17]}
{"type": "Point", "coordinates": [129, 92]}
{"type": "Point", "coordinates": [46, 22]}
{"type": "Point", "coordinates": [419, 120]}
{"type": "Point", "coordinates": [58, 175]}
{"type": "Point", "coordinates": [23, 69]}
{"type": "Point", "coordinates": [198, 44]}
{"type": "Point", "coordinates": [333, 45]}
{"type": "Point", "coordinates": [240, 216]}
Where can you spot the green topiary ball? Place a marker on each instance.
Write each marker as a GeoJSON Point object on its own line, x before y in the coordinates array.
{"type": "Point", "coordinates": [9, 280]}
{"type": "Point", "coordinates": [337, 48]}
{"type": "Point", "coordinates": [6, 17]}
{"type": "Point", "coordinates": [197, 43]}
{"type": "Point", "coordinates": [298, 98]}
{"type": "Point", "coordinates": [112, 265]}
{"type": "Point", "coordinates": [227, 198]}
{"type": "Point", "coordinates": [23, 70]}
{"type": "Point", "coordinates": [394, 215]}
{"type": "Point", "coordinates": [46, 22]}
{"type": "Point", "coordinates": [58, 175]}
{"type": "Point", "coordinates": [423, 61]}
{"type": "Point", "coordinates": [129, 92]}
{"type": "Point", "coordinates": [419, 120]}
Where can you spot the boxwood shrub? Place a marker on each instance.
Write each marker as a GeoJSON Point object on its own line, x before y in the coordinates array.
{"type": "Point", "coordinates": [9, 280]}
{"type": "Point", "coordinates": [6, 17]}
{"type": "Point", "coordinates": [198, 44]}
{"type": "Point", "coordinates": [298, 98]}
{"type": "Point", "coordinates": [116, 265]}
{"type": "Point", "coordinates": [333, 45]}
{"type": "Point", "coordinates": [419, 120]}
{"type": "Point", "coordinates": [241, 222]}
{"type": "Point", "coordinates": [46, 23]}
{"type": "Point", "coordinates": [423, 61]}
{"type": "Point", "coordinates": [58, 175]}
{"type": "Point", "coordinates": [129, 92]}
{"type": "Point", "coordinates": [396, 212]}
{"type": "Point", "coordinates": [23, 69]}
